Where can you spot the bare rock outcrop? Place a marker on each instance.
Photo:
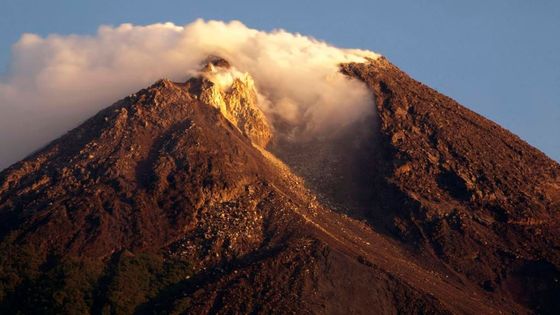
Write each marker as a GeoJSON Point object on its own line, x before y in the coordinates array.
{"type": "Point", "coordinates": [167, 202]}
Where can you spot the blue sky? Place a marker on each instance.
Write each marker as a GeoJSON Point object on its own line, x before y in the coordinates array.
{"type": "Point", "coordinates": [500, 58]}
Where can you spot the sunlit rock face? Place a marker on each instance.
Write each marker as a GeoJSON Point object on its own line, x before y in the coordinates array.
{"type": "Point", "coordinates": [235, 95]}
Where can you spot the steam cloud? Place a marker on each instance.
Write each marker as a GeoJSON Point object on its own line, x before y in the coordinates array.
{"type": "Point", "coordinates": [56, 82]}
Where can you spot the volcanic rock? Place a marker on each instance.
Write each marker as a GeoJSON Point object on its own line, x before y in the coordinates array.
{"type": "Point", "coordinates": [175, 200]}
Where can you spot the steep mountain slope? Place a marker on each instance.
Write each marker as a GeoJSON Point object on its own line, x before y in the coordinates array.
{"type": "Point", "coordinates": [465, 189]}
{"type": "Point", "coordinates": [168, 202]}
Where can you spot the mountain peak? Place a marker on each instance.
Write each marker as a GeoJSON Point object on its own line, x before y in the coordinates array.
{"type": "Point", "coordinates": [169, 199]}
{"type": "Point", "coordinates": [235, 95]}
{"type": "Point", "coordinates": [212, 62]}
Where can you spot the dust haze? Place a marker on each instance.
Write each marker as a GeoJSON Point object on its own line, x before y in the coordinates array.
{"type": "Point", "coordinates": [55, 83]}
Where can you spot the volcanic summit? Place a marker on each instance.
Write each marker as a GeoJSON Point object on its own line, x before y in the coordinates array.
{"type": "Point", "coordinates": [191, 198]}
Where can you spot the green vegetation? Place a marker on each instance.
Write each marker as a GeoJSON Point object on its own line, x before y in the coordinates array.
{"type": "Point", "coordinates": [124, 285]}
{"type": "Point", "coordinates": [137, 279]}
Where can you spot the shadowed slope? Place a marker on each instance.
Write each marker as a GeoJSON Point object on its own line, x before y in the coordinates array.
{"type": "Point", "coordinates": [476, 196]}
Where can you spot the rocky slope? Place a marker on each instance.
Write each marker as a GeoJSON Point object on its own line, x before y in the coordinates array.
{"type": "Point", "coordinates": [169, 202]}
{"type": "Point", "coordinates": [465, 190]}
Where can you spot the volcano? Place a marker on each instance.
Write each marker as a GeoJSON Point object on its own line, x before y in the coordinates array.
{"type": "Point", "coordinates": [184, 198]}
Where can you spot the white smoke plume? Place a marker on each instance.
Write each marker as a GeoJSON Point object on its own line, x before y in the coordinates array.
{"type": "Point", "coordinates": [54, 83]}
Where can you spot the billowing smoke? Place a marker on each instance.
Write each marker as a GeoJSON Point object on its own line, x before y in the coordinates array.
{"type": "Point", "coordinates": [56, 82]}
